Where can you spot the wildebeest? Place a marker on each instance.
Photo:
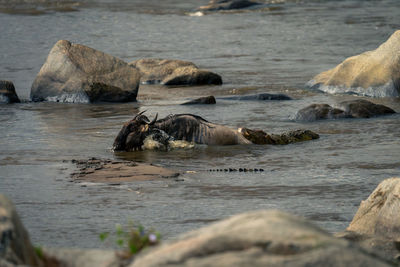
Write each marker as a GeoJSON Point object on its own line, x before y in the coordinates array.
{"type": "Point", "coordinates": [187, 127]}
{"type": "Point", "coordinates": [195, 129]}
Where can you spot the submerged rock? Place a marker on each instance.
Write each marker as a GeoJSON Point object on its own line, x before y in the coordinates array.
{"type": "Point", "coordinates": [262, 238]}
{"type": "Point", "coordinates": [364, 109]}
{"type": "Point", "coordinates": [77, 73]}
{"type": "Point", "coordinates": [374, 73]}
{"type": "Point", "coordinates": [7, 93]}
{"type": "Point", "coordinates": [261, 96]}
{"type": "Point", "coordinates": [376, 225]}
{"type": "Point", "coordinates": [15, 246]}
{"type": "Point", "coordinates": [215, 5]}
{"type": "Point", "coordinates": [358, 108]}
{"type": "Point", "coordinates": [202, 100]}
{"type": "Point", "coordinates": [173, 72]}
{"type": "Point", "coordinates": [319, 112]}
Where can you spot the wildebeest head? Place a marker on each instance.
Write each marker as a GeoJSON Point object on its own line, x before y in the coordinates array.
{"type": "Point", "coordinates": [133, 133]}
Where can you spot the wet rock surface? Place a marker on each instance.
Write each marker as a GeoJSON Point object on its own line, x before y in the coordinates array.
{"type": "Point", "coordinates": [77, 73]}
{"type": "Point", "coordinates": [262, 238]}
{"type": "Point", "coordinates": [262, 138]}
{"type": "Point", "coordinates": [115, 172]}
{"type": "Point", "coordinates": [373, 73]}
{"type": "Point", "coordinates": [348, 109]}
{"type": "Point", "coordinates": [173, 72]}
{"type": "Point", "coordinates": [15, 246]}
{"type": "Point", "coordinates": [202, 100]}
{"type": "Point", "coordinates": [7, 93]}
{"type": "Point", "coordinates": [216, 5]}
{"type": "Point", "coordinates": [261, 96]}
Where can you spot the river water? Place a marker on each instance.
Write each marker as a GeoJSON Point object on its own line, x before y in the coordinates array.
{"type": "Point", "coordinates": [275, 49]}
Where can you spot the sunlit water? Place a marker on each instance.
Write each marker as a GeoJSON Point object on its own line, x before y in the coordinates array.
{"type": "Point", "coordinates": [270, 50]}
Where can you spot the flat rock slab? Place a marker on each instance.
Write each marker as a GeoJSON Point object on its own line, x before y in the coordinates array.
{"type": "Point", "coordinates": [114, 172]}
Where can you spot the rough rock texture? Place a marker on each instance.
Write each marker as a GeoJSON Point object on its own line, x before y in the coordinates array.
{"type": "Point", "coordinates": [379, 215]}
{"type": "Point", "coordinates": [376, 225]}
{"type": "Point", "coordinates": [114, 172]}
{"type": "Point", "coordinates": [202, 100]}
{"type": "Point", "coordinates": [364, 109]}
{"type": "Point", "coordinates": [15, 246]}
{"type": "Point", "coordinates": [173, 72]}
{"type": "Point", "coordinates": [263, 238]}
{"type": "Point", "coordinates": [7, 93]}
{"type": "Point", "coordinates": [358, 108]}
{"type": "Point", "coordinates": [373, 73]}
{"type": "Point", "coordinates": [262, 138]}
{"type": "Point", "coordinates": [319, 112]}
{"type": "Point", "coordinates": [261, 96]}
{"type": "Point", "coordinates": [68, 257]}
{"type": "Point", "coordinates": [77, 73]}
{"type": "Point", "coordinates": [215, 5]}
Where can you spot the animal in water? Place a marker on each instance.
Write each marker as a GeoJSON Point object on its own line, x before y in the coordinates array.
{"type": "Point", "coordinates": [194, 129]}
{"type": "Point", "coordinates": [186, 127]}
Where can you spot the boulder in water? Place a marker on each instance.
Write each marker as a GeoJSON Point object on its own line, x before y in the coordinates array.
{"type": "Point", "coordinates": [261, 238]}
{"type": "Point", "coordinates": [7, 93]}
{"type": "Point", "coordinates": [216, 5]}
{"type": "Point", "coordinates": [374, 73]}
{"type": "Point", "coordinates": [202, 100]}
{"type": "Point", "coordinates": [260, 96]}
{"type": "Point", "coordinates": [358, 108]}
{"type": "Point", "coordinates": [173, 72]}
{"type": "Point", "coordinates": [77, 73]}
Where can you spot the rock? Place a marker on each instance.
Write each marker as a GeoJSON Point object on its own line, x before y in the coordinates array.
{"type": "Point", "coordinates": [358, 108]}
{"type": "Point", "coordinates": [262, 238]}
{"type": "Point", "coordinates": [376, 224]}
{"type": "Point", "coordinates": [261, 96]}
{"type": "Point", "coordinates": [174, 72]}
{"type": "Point", "coordinates": [202, 100]}
{"type": "Point", "coordinates": [215, 5]}
{"type": "Point", "coordinates": [364, 109]}
{"type": "Point", "coordinates": [7, 93]}
{"type": "Point", "coordinates": [260, 137]}
{"type": "Point", "coordinates": [319, 112]}
{"type": "Point", "coordinates": [374, 73]}
{"type": "Point", "coordinates": [15, 246]}
{"type": "Point", "coordinates": [77, 73]}
{"type": "Point", "coordinates": [379, 215]}
{"type": "Point", "coordinates": [69, 257]}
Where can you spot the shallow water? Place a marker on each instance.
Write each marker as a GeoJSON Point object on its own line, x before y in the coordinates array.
{"type": "Point", "coordinates": [269, 50]}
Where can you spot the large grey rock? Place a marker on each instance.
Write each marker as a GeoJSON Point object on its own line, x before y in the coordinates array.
{"type": "Point", "coordinates": [7, 93]}
{"type": "Point", "coordinates": [77, 73]}
{"type": "Point", "coordinates": [379, 214]}
{"type": "Point", "coordinates": [173, 72]}
{"type": "Point", "coordinates": [376, 225]}
{"type": "Point", "coordinates": [15, 246]}
{"type": "Point", "coordinates": [358, 108]}
{"type": "Point", "coordinates": [262, 238]}
{"type": "Point", "coordinates": [373, 73]}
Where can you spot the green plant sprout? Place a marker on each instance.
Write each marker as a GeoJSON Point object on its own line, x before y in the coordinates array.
{"type": "Point", "coordinates": [133, 238]}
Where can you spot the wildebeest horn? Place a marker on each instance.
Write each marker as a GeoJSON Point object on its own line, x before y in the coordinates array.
{"type": "Point", "coordinates": [154, 120]}
{"type": "Point", "coordinates": [137, 115]}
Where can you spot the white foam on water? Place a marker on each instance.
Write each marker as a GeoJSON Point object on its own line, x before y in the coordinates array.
{"type": "Point", "coordinates": [386, 90]}
{"type": "Point", "coordinates": [69, 98]}
{"type": "Point", "coordinates": [196, 14]}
